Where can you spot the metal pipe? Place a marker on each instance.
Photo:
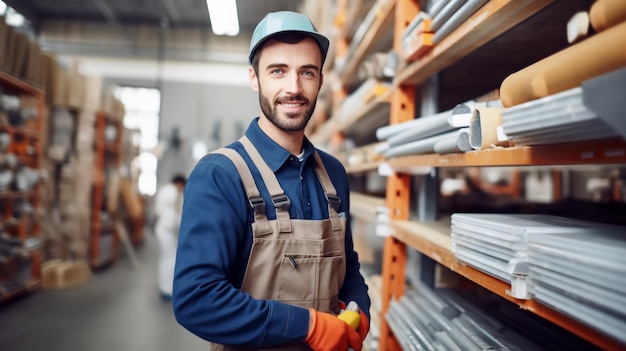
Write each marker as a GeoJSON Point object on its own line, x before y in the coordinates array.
{"type": "Point", "coordinates": [445, 14]}
{"type": "Point", "coordinates": [453, 22]}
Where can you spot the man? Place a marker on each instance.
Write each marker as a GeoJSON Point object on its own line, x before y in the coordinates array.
{"type": "Point", "coordinates": [167, 206]}
{"type": "Point", "coordinates": [265, 255]}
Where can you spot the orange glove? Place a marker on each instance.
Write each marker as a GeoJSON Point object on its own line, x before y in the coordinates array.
{"type": "Point", "coordinates": [364, 326]}
{"type": "Point", "coordinates": [327, 332]}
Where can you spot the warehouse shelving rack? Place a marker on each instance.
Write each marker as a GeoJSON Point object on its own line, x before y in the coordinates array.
{"type": "Point", "coordinates": [104, 240]}
{"type": "Point", "coordinates": [26, 144]}
{"type": "Point", "coordinates": [432, 238]}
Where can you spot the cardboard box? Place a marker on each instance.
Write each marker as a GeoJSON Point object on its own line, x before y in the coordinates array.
{"type": "Point", "coordinates": [3, 43]}
{"type": "Point", "coordinates": [48, 75]}
{"type": "Point", "coordinates": [75, 87]}
{"type": "Point", "coordinates": [58, 274]}
{"type": "Point", "coordinates": [32, 70]}
{"type": "Point", "coordinates": [93, 93]}
{"type": "Point", "coordinates": [19, 50]}
{"type": "Point", "coordinates": [60, 90]}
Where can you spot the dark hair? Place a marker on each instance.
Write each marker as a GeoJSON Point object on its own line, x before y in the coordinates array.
{"type": "Point", "coordinates": [289, 38]}
{"type": "Point", "coordinates": [179, 179]}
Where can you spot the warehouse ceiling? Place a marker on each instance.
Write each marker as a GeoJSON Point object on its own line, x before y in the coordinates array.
{"type": "Point", "coordinates": [180, 13]}
{"type": "Point", "coordinates": [170, 30]}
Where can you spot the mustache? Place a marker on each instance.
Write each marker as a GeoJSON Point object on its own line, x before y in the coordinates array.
{"type": "Point", "coordinates": [292, 98]}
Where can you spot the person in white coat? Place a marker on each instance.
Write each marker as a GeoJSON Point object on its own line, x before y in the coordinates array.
{"type": "Point", "coordinates": [168, 208]}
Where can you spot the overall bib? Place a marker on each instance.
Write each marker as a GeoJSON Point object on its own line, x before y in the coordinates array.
{"type": "Point", "coordinates": [295, 261]}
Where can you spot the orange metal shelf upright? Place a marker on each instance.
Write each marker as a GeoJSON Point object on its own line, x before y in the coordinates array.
{"type": "Point", "coordinates": [398, 187]}
{"type": "Point", "coordinates": [107, 156]}
{"type": "Point", "coordinates": [26, 144]}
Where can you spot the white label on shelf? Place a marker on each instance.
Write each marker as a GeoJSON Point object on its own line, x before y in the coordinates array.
{"type": "Point", "coordinates": [385, 170]}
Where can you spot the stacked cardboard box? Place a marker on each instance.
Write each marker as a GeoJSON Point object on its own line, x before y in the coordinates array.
{"type": "Point", "coordinates": [20, 55]}
{"type": "Point", "coordinates": [76, 99]}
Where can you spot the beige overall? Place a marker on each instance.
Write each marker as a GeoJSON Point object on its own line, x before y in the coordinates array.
{"type": "Point", "coordinates": [296, 261]}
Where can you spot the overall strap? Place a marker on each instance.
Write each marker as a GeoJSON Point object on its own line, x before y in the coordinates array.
{"type": "Point", "coordinates": [329, 191]}
{"type": "Point", "coordinates": [254, 196]}
{"type": "Point", "coordinates": [280, 200]}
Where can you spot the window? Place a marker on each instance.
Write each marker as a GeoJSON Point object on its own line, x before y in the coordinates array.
{"type": "Point", "coordinates": [142, 107]}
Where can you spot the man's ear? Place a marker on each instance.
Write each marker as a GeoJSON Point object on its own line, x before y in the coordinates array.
{"type": "Point", "coordinates": [321, 81]}
{"type": "Point", "coordinates": [253, 79]}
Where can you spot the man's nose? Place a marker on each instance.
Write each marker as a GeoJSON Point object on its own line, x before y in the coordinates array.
{"type": "Point", "coordinates": [294, 85]}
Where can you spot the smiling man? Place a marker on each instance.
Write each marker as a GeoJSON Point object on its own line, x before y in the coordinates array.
{"type": "Point", "coordinates": [265, 255]}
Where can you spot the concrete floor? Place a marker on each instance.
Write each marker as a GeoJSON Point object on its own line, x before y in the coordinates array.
{"type": "Point", "coordinates": [117, 309]}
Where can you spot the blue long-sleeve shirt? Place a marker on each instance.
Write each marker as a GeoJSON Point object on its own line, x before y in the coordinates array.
{"type": "Point", "coordinates": [216, 237]}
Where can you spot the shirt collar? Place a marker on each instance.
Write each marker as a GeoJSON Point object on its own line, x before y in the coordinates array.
{"type": "Point", "coordinates": [274, 155]}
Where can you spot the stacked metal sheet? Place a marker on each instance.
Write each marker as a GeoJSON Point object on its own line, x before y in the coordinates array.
{"type": "Point", "coordinates": [583, 275]}
{"type": "Point", "coordinates": [422, 320]}
{"type": "Point", "coordinates": [555, 119]}
{"type": "Point", "coordinates": [497, 244]}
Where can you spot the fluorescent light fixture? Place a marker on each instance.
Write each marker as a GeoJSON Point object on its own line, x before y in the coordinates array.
{"type": "Point", "coordinates": [223, 15]}
{"type": "Point", "coordinates": [12, 17]}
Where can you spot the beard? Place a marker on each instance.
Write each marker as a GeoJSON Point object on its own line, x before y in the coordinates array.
{"type": "Point", "coordinates": [292, 122]}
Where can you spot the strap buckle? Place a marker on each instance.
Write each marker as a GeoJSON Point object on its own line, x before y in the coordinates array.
{"type": "Point", "coordinates": [282, 202]}
{"type": "Point", "coordinates": [258, 204]}
{"type": "Point", "coordinates": [334, 201]}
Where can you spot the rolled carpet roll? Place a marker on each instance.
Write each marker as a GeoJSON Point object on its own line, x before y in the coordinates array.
{"type": "Point", "coordinates": [568, 68]}
{"type": "Point", "coordinates": [607, 13]}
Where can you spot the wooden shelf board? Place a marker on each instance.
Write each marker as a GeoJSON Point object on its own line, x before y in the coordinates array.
{"type": "Point", "coordinates": [351, 16]}
{"type": "Point", "coordinates": [433, 239]}
{"type": "Point", "coordinates": [359, 118]}
{"type": "Point", "coordinates": [493, 19]}
{"type": "Point", "coordinates": [355, 121]}
{"type": "Point", "coordinates": [324, 133]}
{"type": "Point", "coordinates": [382, 24]}
{"type": "Point", "coordinates": [361, 159]}
{"type": "Point", "coordinates": [611, 151]}
{"type": "Point", "coordinates": [363, 167]}
{"type": "Point", "coordinates": [365, 206]}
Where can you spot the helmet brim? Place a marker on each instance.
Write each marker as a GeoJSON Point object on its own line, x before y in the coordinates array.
{"type": "Point", "coordinates": [321, 41]}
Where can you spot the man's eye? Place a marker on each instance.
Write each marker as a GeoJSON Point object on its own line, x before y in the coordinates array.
{"type": "Point", "coordinates": [276, 71]}
{"type": "Point", "coordinates": [308, 73]}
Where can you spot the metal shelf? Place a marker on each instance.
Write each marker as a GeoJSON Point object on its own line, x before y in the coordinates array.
{"type": "Point", "coordinates": [26, 145]}
{"type": "Point", "coordinates": [12, 84]}
{"type": "Point", "coordinates": [382, 24]}
{"type": "Point", "coordinates": [593, 152]}
{"type": "Point", "coordinates": [493, 19]}
{"type": "Point", "coordinates": [433, 240]}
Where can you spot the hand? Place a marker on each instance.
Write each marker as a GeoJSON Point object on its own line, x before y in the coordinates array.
{"type": "Point", "coordinates": [327, 332]}
{"type": "Point", "coordinates": [364, 323]}
{"type": "Point", "coordinates": [364, 326]}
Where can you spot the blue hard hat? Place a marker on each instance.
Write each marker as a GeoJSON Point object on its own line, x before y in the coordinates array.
{"type": "Point", "coordinates": [285, 22]}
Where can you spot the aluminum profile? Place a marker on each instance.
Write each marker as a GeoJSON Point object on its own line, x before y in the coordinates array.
{"type": "Point", "coordinates": [554, 119]}
{"type": "Point", "coordinates": [421, 320]}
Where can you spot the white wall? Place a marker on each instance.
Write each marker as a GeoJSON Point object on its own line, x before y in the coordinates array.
{"type": "Point", "coordinates": [208, 108]}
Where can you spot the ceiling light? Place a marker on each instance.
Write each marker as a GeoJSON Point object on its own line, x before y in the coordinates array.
{"type": "Point", "coordinates": [223, 15]}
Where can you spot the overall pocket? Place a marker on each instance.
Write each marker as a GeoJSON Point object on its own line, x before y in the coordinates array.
{"type": "Point", "coordinates": [304, 279]}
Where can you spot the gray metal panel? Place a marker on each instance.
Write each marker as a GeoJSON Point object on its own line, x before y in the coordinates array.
{"type": "Point", "coordinates": [605, 96]}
